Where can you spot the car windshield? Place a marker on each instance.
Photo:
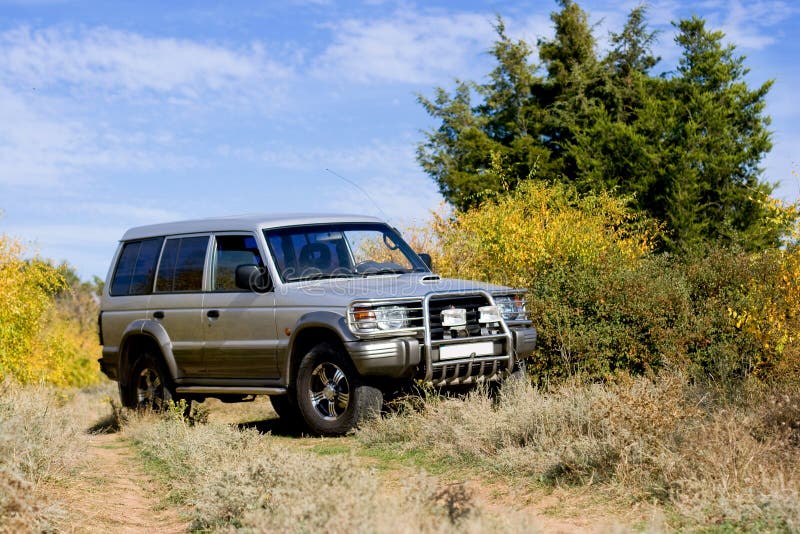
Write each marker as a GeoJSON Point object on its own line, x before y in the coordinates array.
{"type": "Point", "coordinates": [340, 251]}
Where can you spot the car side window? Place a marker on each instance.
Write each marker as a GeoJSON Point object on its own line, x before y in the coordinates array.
{"type": "Point", "coordinates": [181, 267]}
{"type": "Point", "coordinates": [230, 252]}
{"type": "Point", "coordinates": [136, 267]}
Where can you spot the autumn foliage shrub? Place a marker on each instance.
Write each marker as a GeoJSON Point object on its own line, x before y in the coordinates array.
{"type": "Point", "coordinates": [26, 290]}
{"type": "Point", "coordinates": [593, 298]}
{"type": "Point", "coordinates": [604, 302]}
{"type": "Point", "coordinates": [45, 333]}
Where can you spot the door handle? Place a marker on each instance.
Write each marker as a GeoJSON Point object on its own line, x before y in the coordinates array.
{"type": "Point", "coordinates": [212, 314]}
{"type": "Point", "coordinates": [158, 315]}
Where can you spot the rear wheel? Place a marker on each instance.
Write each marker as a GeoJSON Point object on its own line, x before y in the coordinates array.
{"type": "Point", "coordinates": [330, 394]}
{"type": "Point", "coordinates": [149, 384]}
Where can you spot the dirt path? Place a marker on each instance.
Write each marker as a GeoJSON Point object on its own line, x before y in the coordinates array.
{"type": "Point", "coordinates": [114, 494]}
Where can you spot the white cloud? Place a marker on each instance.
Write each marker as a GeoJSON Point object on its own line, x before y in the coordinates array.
{"type": "Point", "coordinates": [783, 165]}
{"type": "Point", "coordinates": [50, 79]}
{"type": "Point", "coordinates": [750, 25]}
{"type": "Point", "coordinates": [34, 148]}
{"type": "Point", "coordinates": [42, 146]}
{"type": "Point", "coordinates": [64, 235]}
{"type": "Point", "coordinates": [408, 47]}
{"type": "Point", "coordinates": [420, 48]}
{"type": "Point", "coordinates": [125, 63]}
{"type": "Point", "coordinates": [401, 198]}
{"type": "Point", "coordinates": [89, 247]}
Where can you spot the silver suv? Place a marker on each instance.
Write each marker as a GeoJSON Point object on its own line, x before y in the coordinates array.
{"type": "Point", "coordinates": [322, 313]}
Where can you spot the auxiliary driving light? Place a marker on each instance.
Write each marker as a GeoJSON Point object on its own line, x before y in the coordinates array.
{"type": "Point", "coordinates": [454, 317]}
{"type": "Point", "coordinates": [489, 314]}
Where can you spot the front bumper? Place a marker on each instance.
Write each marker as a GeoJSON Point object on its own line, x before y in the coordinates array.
{"type": "Point", "coordinates": [393, 357]}
{"type": "Point", "coordinates": [407, 357]}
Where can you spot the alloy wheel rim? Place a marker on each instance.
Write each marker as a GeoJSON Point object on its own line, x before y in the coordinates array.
{"type": "Point", "coordinates": [329, 391]}
{"type": "Point", "coordinates": [150, 389]}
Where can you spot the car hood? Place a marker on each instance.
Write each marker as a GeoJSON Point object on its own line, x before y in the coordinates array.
{"type": "Point", "coordinates": [342, 291]}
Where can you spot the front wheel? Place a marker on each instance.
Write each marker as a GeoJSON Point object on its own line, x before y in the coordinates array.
{"type": "Point", "coordinates": [330, 395]}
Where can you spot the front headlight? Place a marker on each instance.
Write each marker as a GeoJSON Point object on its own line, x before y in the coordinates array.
{"type": "Point", "coordinates": [381, 318]}
{"type": "Point", "coordinates": [512, 307]}
{"type": "Point", "coordinates": [391, 317]}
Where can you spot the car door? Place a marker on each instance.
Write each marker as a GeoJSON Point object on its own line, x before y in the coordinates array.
{"type": "Point", "coordinates": [240, 338]}
{"type": "Point", "coordinates": [177, 300]}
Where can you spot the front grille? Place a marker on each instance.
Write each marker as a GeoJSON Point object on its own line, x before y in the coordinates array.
{"type": "Point", "coordinates": [471, 303]}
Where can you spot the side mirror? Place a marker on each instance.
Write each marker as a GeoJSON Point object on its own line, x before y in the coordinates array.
{"type": "Point", "coordinates": [426, 259]}
{"type": "Point", "coordinates": [252, 278]}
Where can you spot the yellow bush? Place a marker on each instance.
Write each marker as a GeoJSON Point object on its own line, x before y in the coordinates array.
{"type": "Point", "coordinates": [26, 292]}
{"type": "Point", "coordinates": [41, 338]}
{"type": "Point", "coordinates": [538, 227]}
{"type": "Point", "coordinates": [771, 314]}
{"type": "Point", "coordinates": [70, 352]}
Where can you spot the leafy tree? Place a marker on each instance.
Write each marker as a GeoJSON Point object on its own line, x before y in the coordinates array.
{"type": "Point", "coordinates": [631, 52]}
{"type": "Point", "coordinates": [721, 134]}
{"type": "Point", "coordinates": [616, 150]}
{"type": "Point", "coordinates": [572, 48]}
{"type": "Point", "coordinates": [685, 147]}
{"type": "Point", "coordinates": [458, 153]}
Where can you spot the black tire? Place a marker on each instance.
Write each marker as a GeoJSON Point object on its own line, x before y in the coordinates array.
{"type": "Point", "coordinates": [149, 384]}
{"type": "Point", "coordinates": [330, 394]}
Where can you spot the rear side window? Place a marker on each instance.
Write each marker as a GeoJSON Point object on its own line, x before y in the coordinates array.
{"type": "Point", "coordinates": [181, 267]}
{"type": "Point", "coordinates": [136, 267]}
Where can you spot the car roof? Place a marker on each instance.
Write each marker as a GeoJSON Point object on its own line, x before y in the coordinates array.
{"type": "Point", "coordinates": [250, 222]}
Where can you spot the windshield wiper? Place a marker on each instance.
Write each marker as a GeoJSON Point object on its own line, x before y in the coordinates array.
{"type": "Point", "coordinates": [320, 276]}
{"type": "Point", "coordinates": [384, 271]}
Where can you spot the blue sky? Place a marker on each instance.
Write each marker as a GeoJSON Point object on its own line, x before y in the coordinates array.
{"type": "Point", "coordinates": [115, 114]}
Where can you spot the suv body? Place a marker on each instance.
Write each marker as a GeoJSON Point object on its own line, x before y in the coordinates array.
{"type": "Point", "coordinates": [322, 313]}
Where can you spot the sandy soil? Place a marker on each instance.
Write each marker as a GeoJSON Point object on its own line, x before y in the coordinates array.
{"type": "Point", "coordinates": [114, 494]}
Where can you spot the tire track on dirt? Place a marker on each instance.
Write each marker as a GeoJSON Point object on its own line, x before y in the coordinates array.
{"type": "Point", "coordinates": [114, 494]}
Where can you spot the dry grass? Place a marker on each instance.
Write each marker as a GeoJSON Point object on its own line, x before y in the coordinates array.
{"type": "Point", "coordinates": [240, 479]}
{"type": "Point", "coordinates": [711, 459]}
{"type": "Point", "coordinates": [40, 448]}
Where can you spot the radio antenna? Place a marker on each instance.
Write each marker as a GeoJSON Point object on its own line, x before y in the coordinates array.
{"type": "Point", "coordinates": [351, 182]}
